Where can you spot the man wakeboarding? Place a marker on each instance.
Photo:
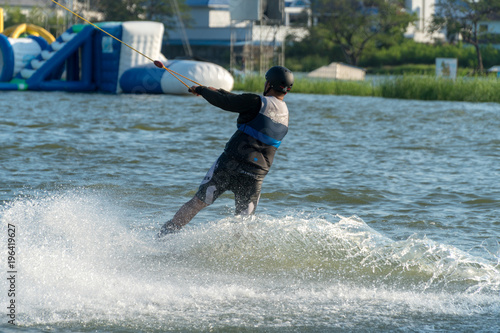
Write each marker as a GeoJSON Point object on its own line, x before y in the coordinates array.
{"type": "Point", "coordinates": [262, 124]}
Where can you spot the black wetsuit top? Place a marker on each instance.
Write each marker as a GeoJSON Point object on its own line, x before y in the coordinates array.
{"type": "Point", "coordinates": [258, 135]}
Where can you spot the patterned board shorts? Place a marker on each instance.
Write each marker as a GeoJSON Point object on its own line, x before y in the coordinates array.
{"type": "Point", "coordinates": [227, 174]}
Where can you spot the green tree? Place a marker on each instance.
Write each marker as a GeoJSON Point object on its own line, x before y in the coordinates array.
{"type": "Point", "coordinates": [14, 16]}
{"type": "Point", "coordinates": [43, 17]}
{"type": "Point", "coordinates": [139, 10]}
{"type": "Point", "coordinates": [354, 24]}
{"type": "Point", "coordinates": [462, 17]}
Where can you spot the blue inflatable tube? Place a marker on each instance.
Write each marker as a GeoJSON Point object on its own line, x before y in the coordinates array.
{"type": "Point", "coordinates": [6, 59]}
{"type": "Point", "coordinates": [13, 86]}
{"type": "Point", "coordinates": [41, 41]}
{"type": "Point", "coordinates": [144, 79]}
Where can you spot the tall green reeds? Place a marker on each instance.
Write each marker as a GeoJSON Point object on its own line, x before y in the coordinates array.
{"type": "Point", "coordinates": [403, 87]}
{"type": "Point", "coordinates": [432, 88]}
{"type": "Point", "coordinates": [333, 87]}
{"type": "Point", "coordinates": [310, 86]}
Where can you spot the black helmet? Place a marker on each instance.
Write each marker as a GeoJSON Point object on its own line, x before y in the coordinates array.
{"type": "Point", "coordinates": [280, 78]}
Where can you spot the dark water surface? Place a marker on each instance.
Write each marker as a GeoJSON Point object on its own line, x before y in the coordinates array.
{"type": "Point", "coordinates": [378, 215]}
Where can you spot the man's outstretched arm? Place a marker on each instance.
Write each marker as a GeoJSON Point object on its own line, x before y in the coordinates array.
{"type": "Point", "coordinates": [241, 103]}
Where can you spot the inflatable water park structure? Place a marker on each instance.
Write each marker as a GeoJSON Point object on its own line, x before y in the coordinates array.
{"type": "Point", "coordinates": [85, 59]}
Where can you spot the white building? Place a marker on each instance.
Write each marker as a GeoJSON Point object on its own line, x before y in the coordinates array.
{"type": "Point", "coordinates": [425, 10]}
{"type": "Point", "coordinates": [216, 28]}
{"type": "Point", "coordinates": [212, 24]}
{"type": "Point", "coordinates": [490, 27]}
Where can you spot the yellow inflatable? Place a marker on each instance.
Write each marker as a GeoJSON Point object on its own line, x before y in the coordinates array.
{"type": "Point", "coordinates": [31, 29]}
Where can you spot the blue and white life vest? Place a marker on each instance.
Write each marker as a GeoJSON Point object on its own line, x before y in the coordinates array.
{"type": "Point", "coordinates": [257, 140]}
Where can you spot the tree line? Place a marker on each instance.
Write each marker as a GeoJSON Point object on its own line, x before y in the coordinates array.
{"type": "Point", "coordinates": [165, 11]}
{"type": "Point", "coordinates": [348, 29]}
{"type": "Point", "coordinates": [344, 30]}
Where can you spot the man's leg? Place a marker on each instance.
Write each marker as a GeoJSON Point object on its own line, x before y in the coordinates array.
{"type": "Point", "coordinates": [183, 216]}
{"type": "Point", "coordinates": [188, 211]}
{"type": "Point", "coordinates": [213, 185]}
{"type": "Point", "coordinates": [247, 195]}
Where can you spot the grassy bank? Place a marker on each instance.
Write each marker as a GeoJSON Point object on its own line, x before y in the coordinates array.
{"type": "Point", "coordinates": [413, 69]}
{"type": "Point", "coordinates": [403, 87]}
{"type": "Point", "coordinates": [431, 88]}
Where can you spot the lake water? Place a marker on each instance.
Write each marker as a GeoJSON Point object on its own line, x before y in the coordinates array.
{"type": "Point", "coordinates": [378, 215]}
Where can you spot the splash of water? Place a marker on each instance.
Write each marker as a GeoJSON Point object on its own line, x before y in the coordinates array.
{"type": "Point", "coordinates": [83, 263]}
